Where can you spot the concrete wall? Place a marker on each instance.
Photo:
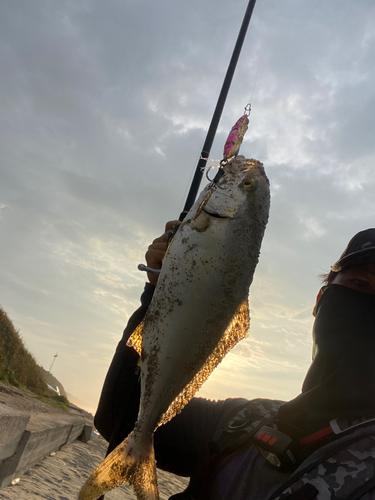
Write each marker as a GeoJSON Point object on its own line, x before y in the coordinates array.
{"type": "Point", "coordinates": [26, 439]}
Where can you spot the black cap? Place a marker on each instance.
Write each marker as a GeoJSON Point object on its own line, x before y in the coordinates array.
{"type": "Point", "coordinates": [360, 249]}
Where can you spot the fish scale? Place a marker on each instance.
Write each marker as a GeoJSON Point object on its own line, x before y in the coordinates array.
{"type": "Point", "coordinates": [198, 313]}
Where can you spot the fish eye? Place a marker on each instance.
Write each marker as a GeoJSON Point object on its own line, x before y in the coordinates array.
{"type": "Point", "coordinates": [248, 184]}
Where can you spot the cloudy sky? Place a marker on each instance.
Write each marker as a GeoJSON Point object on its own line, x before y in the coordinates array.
{"type": "Point", "coordinates": [104, 110]}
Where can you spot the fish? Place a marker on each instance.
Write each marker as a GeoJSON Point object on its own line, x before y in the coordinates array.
{"type": "Point", "coordinates": [199, 311]}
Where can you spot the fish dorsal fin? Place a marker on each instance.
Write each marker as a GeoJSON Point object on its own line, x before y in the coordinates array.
{"type": "Point", "coordinates": [135, 339]}
{"type": "Point", "coordinates": [237, 330]}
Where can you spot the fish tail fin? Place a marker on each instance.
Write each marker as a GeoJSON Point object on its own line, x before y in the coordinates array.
{"type": "Point", "coordinates": [133, 461]}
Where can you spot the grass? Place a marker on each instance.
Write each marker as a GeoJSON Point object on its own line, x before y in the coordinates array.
{"type": "Point", "coordinates": [18, 366]}
{"type": "Point", "coordinates": [55, 401]}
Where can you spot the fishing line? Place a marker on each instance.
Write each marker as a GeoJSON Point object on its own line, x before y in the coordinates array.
{"type": "Point", "coordinates": [259, 72]}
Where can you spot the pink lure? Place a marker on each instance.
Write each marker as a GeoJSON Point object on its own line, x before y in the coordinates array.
{"type": "Point", "coordinates": [235, 137]}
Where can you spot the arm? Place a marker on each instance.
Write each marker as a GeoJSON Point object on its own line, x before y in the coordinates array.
{"type": "Point", "coordinates": [184, 442]}
{"type": "Point", "coordinates": [119, 400]}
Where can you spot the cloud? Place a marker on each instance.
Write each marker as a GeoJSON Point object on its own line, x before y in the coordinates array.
{"type": "Point", "coordinates": [104, 113]}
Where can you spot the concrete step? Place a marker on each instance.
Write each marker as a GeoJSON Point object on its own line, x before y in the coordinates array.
{"type": "Point", "coordinates": [12, 426]}
{"type": "Point", "coordinates": [26, 439]}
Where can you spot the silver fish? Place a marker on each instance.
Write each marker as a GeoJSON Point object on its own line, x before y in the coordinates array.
{"type": "Point", "coordinates": [198, 313]}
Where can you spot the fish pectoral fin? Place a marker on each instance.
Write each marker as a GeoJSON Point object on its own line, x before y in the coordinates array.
{"type": "Point", "coordinates": [135, 339]}
{"type": "Point", "coordinates": [237, 330]}
{"type": "Point", "coordinates": [132, 461]}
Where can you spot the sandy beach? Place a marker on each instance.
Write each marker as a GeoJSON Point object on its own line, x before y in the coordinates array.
{"type": "Point", "coordinates": [60, 475]}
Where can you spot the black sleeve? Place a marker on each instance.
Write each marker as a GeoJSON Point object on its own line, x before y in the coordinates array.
{"type": "Point", "coordinates": [119, 400]}
{"type": "Point", "coordinates": [183, 443]}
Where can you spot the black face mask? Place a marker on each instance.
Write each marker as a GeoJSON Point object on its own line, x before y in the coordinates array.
{"type": "Point", "coordinates": [341, 379]}
{"type": "Point", "coordinates": [344, 328]}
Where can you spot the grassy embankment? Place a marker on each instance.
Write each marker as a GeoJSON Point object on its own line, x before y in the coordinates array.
{"type": "Point", "coordinates": [18, 366]}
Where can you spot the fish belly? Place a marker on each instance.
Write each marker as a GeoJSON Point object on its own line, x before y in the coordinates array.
{"type": "Point", "coordinates": [194, 302]}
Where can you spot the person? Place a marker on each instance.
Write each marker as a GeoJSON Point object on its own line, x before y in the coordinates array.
{"type": "Point", "coordinates": [319, 445]}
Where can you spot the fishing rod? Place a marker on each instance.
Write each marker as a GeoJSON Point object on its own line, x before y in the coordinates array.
{"type": "Point", "coordinates": [217, 113]}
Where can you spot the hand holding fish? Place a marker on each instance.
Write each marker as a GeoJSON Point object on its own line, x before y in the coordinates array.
{"type": "Point", "coordinates": [156, 251]}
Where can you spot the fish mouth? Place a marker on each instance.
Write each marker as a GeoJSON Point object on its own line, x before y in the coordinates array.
{"type": "Point", "coordinates": [215, 214]}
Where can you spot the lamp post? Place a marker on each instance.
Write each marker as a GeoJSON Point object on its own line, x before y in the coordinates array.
{"type": "Point", "coordinates": [54, 359]}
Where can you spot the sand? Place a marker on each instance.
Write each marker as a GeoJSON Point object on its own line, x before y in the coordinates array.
{"type": "Point", "coordinates": [60, 476]}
